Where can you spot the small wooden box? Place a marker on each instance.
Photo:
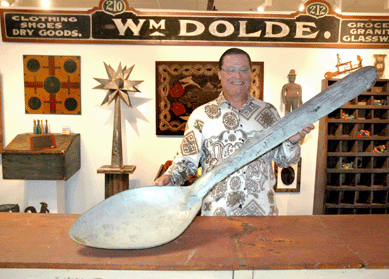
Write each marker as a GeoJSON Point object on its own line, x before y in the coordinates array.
{"type": "Point", "coordinates": [60, 163]}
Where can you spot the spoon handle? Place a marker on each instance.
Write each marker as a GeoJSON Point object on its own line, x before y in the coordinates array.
{"type": "Point", "coordinates": [317, 107]}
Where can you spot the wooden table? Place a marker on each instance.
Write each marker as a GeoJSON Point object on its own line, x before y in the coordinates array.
{"type": "Point", "coordinates": [220, 247]}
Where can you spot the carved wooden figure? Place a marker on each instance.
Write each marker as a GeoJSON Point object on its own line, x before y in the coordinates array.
{"type": "Point", "coordinates": [291, 93]}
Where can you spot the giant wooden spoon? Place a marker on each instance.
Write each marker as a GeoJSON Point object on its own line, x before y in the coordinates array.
{"type": "Point", "coordinates": [151, 216]}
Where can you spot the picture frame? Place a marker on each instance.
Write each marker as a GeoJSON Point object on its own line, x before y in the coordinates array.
{"type": "Point", "coordinates": [288, 179]}
{"type": "Point", "coordinates": [183, 86]}
{"type": "Point", "coordinates": [1, 119]}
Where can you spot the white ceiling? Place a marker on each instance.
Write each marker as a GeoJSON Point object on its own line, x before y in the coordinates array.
{"type": "Point", "coordinates": [348, 6]}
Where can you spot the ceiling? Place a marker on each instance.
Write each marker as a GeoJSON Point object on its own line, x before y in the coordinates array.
{"type": "Point", "coordinates": [348, 6]}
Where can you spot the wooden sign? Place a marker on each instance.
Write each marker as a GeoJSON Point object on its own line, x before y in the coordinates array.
{"type": "Point", "coordinates": [114, 22]}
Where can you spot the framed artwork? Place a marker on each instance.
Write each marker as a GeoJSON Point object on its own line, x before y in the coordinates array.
{"type": "Point", "coordinates": [183, 86]}
{"type": "Point", "coordinates": [1, 120]}
{"type": "Point", "coordinates": [288, 179]}
{"type": "Point", "coordinates": [52, 84]}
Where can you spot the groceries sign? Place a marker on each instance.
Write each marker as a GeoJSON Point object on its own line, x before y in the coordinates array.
{"type": "Point", "coordinates": [113, 22]}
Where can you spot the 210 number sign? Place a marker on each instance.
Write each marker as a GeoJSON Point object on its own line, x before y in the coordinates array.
{"type": "Point", "coordinates": [114, 7]}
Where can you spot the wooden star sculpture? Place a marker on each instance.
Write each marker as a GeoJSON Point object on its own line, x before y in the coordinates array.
{"type": "Point", "coordinates": [118, 84]}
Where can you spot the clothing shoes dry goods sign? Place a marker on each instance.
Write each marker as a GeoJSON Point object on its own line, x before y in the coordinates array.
{"type": "Point", "coordinates": [113, 21]}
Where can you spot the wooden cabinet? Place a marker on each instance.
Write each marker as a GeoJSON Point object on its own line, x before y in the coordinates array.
{"type": "Point", "coordinates": [352, 174]}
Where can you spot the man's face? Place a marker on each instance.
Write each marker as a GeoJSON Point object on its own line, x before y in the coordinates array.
{"type": "Point", "coordinates": [235, 83]}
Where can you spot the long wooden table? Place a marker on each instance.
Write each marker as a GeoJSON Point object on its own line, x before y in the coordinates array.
{"type": "Point", "coordinates": [40, 242]}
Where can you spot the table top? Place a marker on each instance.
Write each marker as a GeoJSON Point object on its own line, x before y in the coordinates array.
{"type": "Point", "coordinates": [33, 240]}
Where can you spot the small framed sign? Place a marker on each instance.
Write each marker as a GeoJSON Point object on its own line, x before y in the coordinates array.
{"type": "Point", "coordinates": [42, 142]}
{"type": "Point", "coordinates": [287, 179]}
{"type": "Point", "coordinates": [1, 121]}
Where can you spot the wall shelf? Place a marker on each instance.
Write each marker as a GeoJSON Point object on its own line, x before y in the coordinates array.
{"type": "Point", "coordinates": [352, 178]}
{"type": "Point", "coordinates": [60, 163]}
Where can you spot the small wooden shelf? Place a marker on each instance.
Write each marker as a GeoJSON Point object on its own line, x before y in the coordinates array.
{"type": "Point", "coordinates": [347, 137]}
{"type": "Point", "coordinates": [358, 121]}
{"type": "Point", "coordinates": [385, 170]}
{"type": "Point", "coordinates": [358, 154]}
{"type": "Point", "coordinates": [361, 188]}
{"type": "Point", "coordinates": [60, 163]}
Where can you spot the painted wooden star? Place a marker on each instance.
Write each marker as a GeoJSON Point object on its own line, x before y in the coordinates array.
{"type": "Point", "coordinates": [118, 84]}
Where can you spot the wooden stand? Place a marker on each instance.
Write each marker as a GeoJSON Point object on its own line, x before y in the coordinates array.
{"type": "Point", "coordinates": [116, 179]}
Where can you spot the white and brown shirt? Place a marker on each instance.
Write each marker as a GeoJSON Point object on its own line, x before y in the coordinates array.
{"type": "Point", "coordinates": [214, 131]}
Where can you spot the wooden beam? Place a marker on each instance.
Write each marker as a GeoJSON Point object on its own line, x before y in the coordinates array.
{"type": "Point", "coordinates": [210, 5]}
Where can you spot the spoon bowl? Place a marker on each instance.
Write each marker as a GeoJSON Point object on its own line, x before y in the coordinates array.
{"type": "Point", "coordinates": [119, 222]}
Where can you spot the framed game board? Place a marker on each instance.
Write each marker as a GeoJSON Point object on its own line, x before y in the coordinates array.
{"type": "Point", "coordinates": [52, 84]}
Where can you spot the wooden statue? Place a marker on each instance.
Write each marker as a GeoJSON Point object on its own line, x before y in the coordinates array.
{"type": "Point", "coordinates": [291, 93]}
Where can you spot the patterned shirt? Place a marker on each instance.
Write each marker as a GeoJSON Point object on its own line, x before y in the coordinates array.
{"type": "Point", "coordinates": [214, 131]}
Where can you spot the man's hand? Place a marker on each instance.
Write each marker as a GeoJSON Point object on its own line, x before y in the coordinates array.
{"type": "Point", "coordinates": [306, 130]}
{"type": "Point", "coordinates": [163, 180]}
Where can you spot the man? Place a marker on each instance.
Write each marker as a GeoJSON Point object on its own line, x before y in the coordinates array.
{"type": "Point", "coordinates": [219, 128]}
{"type": "Point", "coordinates": [291, 93]}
